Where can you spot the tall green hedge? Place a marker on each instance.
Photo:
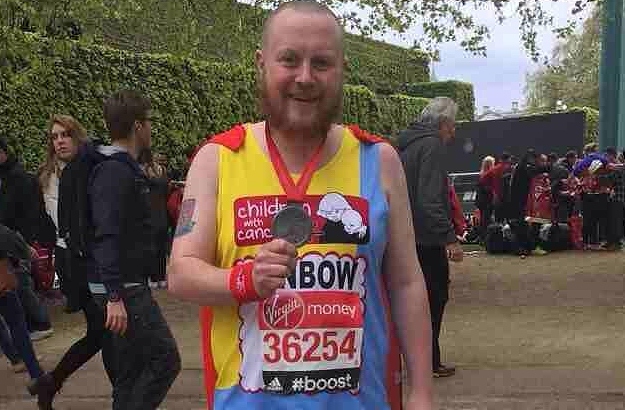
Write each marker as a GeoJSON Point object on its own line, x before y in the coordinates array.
{"type": "Point", "coordinates": [381, 67]}
{"type": "Point", "coordinates": [592, 123]}
{"type": "Point", "coordinates": [218, 30]}
{"type": "Point", "coordinates": [461, 92]}
{"type": "Point", "coordinates": [386, 115]}
{"type": "Point", "coordinates": [40, 77]}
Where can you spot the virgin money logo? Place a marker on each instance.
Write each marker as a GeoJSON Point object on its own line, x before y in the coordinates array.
{"type": "Point", "coordinates": [284, 310]}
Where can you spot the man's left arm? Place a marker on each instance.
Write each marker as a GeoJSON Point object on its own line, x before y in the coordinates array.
{"type": "Point", "coordinates": [406, 286]}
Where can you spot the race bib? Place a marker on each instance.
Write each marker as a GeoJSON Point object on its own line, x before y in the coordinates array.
{"type": "Point", "coordinates": [311, 341]}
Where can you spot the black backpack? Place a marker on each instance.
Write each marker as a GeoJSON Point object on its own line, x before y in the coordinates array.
{"type": "Point", "coordinates": [494, 241]}
{"type": "Point", "coordinates": [74, 211]}
{"type": "Point", "coordinates": [555, 237]}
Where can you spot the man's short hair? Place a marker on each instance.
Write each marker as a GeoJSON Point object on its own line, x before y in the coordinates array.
{"type": "Point", "coordinates": [122, 109]}
{"type": "Point", "coordinates": [439, 110]}
{"type": "Point", "coordinates": [611, 151]}
{"type": "Point", "coordinates": [307, 6]}
{"type": "Point", "coordinates": [552, 157]}
{"type": "Point", "coordinates": [571, 154]}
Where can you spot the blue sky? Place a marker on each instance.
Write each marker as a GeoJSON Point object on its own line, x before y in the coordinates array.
{"type": "Point", "coordinates": [499, 78]}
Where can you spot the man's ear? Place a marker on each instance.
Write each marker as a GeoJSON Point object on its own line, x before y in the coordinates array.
{"type": "Point", "coordinates": [259, 59]}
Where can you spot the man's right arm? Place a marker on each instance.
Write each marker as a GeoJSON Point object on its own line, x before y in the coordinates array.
{"type": "Point", "coordinates": [193, 275]}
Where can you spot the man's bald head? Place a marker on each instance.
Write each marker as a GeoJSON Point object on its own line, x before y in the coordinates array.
{"type": "Point", "coordinates": [303, 6]}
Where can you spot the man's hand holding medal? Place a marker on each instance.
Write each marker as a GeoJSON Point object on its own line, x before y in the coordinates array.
{"type": "Point", "coordinates": [274, 262]}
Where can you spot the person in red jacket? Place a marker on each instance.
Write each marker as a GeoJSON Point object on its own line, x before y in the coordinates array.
{"type": "Point", "coordinates": [493, 178]}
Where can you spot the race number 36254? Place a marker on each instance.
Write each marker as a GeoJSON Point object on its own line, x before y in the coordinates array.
{"type": "Point", "coordinates": [311, 345]}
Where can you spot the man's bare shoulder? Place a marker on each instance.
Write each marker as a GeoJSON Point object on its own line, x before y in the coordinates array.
{"type": "Point", "coordinates": [208, 154]}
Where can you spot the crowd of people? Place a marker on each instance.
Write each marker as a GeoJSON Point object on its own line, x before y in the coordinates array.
{"type": "Point", "coordinates": [545, 202]}
{"type": "Point", "coordinates": [42, 211]}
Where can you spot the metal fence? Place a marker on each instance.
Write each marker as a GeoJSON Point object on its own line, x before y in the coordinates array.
{"type": "Point", "coordinates": [465, 184]}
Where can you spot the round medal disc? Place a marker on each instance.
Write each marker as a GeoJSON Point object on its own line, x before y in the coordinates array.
{"type": "Point", "coordinates": [293, 225]}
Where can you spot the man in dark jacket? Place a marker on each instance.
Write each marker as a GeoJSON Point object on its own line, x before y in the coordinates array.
{"type": "Point", "coordinates": [145, 352]}
{"type": "Point", "coordinates": [422, 151]}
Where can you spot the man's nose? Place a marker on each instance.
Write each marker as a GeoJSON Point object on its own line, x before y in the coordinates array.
{"type": "Point", "coordinates": [305, 74]}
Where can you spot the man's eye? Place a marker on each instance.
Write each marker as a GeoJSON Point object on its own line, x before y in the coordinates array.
{"type": "Point", "coordinates": [321, 63]}
{"type": "Point", "coordinates": [289, 60]}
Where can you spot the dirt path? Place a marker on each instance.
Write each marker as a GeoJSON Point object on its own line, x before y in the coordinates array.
{"type": "Point", "coordinates": [542, 333]}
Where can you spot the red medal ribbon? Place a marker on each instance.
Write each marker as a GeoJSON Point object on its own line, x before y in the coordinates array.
{"type": "Point", "coordinates": [294, 192]}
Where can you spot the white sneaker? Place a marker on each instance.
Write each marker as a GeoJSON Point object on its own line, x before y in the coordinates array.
{"type": "Point", "coordinates": [153, 285]}
{"type": "Point", "coordinates": [162, 284]}
{"type": "Point", "coordinates": [41, 334]}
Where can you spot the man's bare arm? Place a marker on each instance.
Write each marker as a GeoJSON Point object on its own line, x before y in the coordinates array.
{"type": "Point", "coordinates": [409, 301]}
{"type": "Point", "coordinates": [192, 274]}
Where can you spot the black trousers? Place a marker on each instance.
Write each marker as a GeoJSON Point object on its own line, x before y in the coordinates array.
{"type": "Point", "coordinates": [159, 269]}
{"type": "Point", "coordinates": [615, 225]}
{"type": "Point", "coordinates": [565, 207]}
{"type": "Point", "coordinates": [72, 272]}
{"type": "Point", "coordinates": [435, 267]}
{"type": "Point", "coordinates": [146, 357]}
{"type": "Point", "coordinates": [595, 212]}
{"type": "Point", "coordinates": [486, 216]}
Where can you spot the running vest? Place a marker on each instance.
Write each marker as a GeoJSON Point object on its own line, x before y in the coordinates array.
{"type": "Point", "coordinates": [321, 342]}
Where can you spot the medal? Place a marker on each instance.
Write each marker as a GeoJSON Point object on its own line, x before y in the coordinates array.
{"type": "Point", "coordinates": [292, 223]}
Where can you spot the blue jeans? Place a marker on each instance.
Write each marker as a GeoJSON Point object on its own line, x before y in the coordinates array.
{"type": "Point", "coordinates": [37, 317]}
{"type": "Point", "coordinates": [13, 313]}
{"type": "Point", "coordinates": [6, 343]}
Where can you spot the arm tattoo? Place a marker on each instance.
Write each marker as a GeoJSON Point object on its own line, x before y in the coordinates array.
{"type": "Point", "coordinates": [185, 220]}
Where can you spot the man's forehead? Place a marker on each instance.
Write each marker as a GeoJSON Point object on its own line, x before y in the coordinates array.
{"type": "Point", "coordinates": [323, 31]}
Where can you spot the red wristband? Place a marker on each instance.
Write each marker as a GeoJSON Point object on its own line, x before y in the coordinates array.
{"type": "Point", "coordinates": [241, 283]}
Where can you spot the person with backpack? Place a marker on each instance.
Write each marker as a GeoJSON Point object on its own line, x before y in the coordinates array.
{"type": "Point", "coordinates": [14, 257]}
{"type": "Point", "coordinates": [121, 244]}
{"type": "Point", "coordinates": [59, 177]}
{"type": "Point", "coordinates": [20, 211]}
